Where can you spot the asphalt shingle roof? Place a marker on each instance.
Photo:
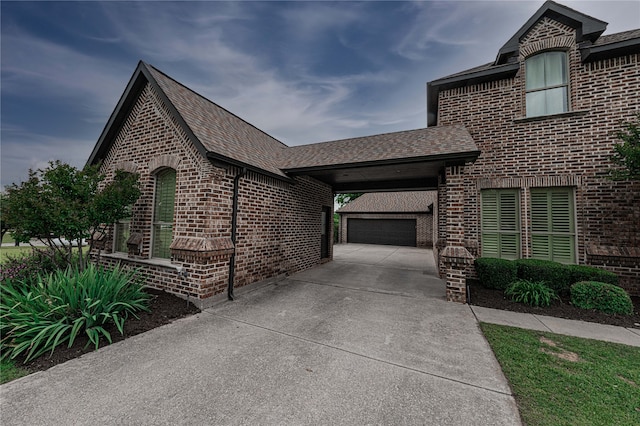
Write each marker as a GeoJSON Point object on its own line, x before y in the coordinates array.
{"type": "Point", "coordinates": [427, 142]}
{"type": "Point", "coordinates": [391, 202]}
{"type": "Point", "coordinates": [219, 130]}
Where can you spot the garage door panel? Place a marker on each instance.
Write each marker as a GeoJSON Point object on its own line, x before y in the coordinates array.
{"type": "Point", "coordinates": [397, 232]}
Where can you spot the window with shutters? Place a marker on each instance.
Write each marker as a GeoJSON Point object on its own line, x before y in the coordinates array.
{"type": "Point", "coordinates": [500, 223]}
{"type": "Point", "coordinates": [164, 202]}
{"type": "Point", "coordinates": [553, 234]}
{"type": "Point", "coordinates": [546, 84]}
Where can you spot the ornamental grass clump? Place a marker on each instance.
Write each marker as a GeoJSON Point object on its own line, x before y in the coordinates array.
{"type": "Point", "coordinates": [534, 293]}
{"type": "Point", "coordinates": [60, 306]}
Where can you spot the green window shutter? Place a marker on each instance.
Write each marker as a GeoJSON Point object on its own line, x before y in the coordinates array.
{"type": "Point", "coordinates": [500, 223]}
{"type": "Point", "coordinates": [163, 213]}
{"type": "Point", "coordinates": [552, 224]}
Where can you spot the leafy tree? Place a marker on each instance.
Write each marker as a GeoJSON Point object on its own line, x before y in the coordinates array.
{"type": "Point", "coordinates": [4, 225]}
{"type": "Point", "coordinates": [343, 199]}
{"type": "Point", "coordinates": [61, 206]}
{"type": "Point", "coordinates": [626, 155]}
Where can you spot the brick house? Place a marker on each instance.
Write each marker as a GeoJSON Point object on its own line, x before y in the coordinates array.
{"type": "Point", "coordinates": [542, 115]}
{"type": "Point", "coordinates": [393, 218]}
{"type": "Point", "coordinates": [224, 204]}
{"type": "Point", "coordinates": [517, 149]}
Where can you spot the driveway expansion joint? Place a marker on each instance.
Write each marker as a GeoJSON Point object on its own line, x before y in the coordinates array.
{"type": "Point", "coordinates": [363, 289]}
{"type": "Point", "coordinates": [404, 367]}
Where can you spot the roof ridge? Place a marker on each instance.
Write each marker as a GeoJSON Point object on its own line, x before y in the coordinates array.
{"type": "Point", "coordinates": [213, 103]}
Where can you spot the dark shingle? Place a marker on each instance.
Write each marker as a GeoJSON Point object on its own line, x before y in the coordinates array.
{"type": "Point", "coordinates": [431, 141]}
{"type": "Point", "coordinates": [392, 202]}
{"type": "Point", "coordinates": [219, 130]}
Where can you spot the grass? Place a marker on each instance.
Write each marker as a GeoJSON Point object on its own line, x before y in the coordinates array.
{"type": "Point", "coordinates": [9, 371]}
{"type": "Point", "coordinates": [562, 380]}
{"type": "Point", "coordinates": [13, 251]}
{"type": "Point", "coordinates": [7, 238]}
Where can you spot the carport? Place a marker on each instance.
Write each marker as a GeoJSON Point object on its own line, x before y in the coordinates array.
{"type": "Point", "coordinates": [432, 158]}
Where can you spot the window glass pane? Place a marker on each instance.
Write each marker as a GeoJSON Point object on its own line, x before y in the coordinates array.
{"type": "Point", "coordinates": [162, 235]}
{"type": "Point", "coordinates": [122, 235]}
{"type": "Point", "coordinates": [534, 72]}
{"type": "Point", "coordinates": [555, 68]}
{"type": "Point", "coordinates": [536, 104]}
{"type": "Point", "coordinates": [165, 196]}
{"type": "Point", "coordinates": [555, 100]}
{"type": "Point", "coordinates": [163, 213]}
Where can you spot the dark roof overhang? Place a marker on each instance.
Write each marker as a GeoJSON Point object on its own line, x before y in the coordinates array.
{"type": "Point", "coordinates": [591, 53]}
{"type": "Point", "coordinates": [404, 174]}
{"type": "Point", "coordinates": [220, 160]}
{"type": "Point", "coordinates": [461, 80]}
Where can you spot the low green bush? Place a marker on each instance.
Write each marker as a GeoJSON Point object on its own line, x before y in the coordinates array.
{"type": "Point", "coordinates": [26, 267]}
{"type": "Point", "coordinates": [37, 318]}
{"type": "Point", "coordinates": [603, 297]}
{"type": "Point", "coordinates": [534, 293]}
{"type": "Point", "coordinates": [495, 273]}
{"type": "Point", "coordinates": [555, 274]}
{"type": "Point", "coordinates": [579, 273]}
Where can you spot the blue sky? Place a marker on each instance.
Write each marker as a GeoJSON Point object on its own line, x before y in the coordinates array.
{"type": "Point", "coordinates": [301, 71]}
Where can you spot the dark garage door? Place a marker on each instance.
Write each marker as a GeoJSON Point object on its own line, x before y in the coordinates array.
{"type": "Point", "coordinates": [395, 232]}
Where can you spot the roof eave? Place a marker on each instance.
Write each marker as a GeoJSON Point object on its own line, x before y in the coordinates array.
{"type": "Point", "coordinates": [453, 158]}
{"type": "Point", "coordinates": [221, 160]}
{"type": "Point", "coordinates": [612, 50]}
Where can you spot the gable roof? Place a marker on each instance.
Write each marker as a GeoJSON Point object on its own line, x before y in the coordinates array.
{"type": "Point", "coordinates": [224, 138]}
{"type": "Point", "coordinates": [593, 46]}
{"type": "Point", "coordinates": [588, 28]}
{"type": "Point", "coordinates": [216, 133]}
{"type": "Point", "coordinates": [392, 202]}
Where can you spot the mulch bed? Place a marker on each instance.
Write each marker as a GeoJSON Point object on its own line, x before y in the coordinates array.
{"type": "Point", "coordinates": [164, 308]}
{"type": "Point", "coordinates": [563, 308]}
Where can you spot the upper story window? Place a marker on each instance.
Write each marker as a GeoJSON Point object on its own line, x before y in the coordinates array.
{"type": "Point", "coordinates": [547, 84]}
{"type": "Point", "coordinates": [163, 207]}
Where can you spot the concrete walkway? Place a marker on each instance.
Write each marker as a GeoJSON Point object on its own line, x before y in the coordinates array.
{"type": "Point", "coordinates": [587, 330]}
{"type": "Point", "coordinates": [366, 339]}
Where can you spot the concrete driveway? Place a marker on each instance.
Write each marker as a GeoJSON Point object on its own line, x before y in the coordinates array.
{"type": "Point", "coordinates": [365, 339]}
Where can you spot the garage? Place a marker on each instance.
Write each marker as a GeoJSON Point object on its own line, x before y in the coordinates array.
{"type": "Point", "coordinates": [395, 232]}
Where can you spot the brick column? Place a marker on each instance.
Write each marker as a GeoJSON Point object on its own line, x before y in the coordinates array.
{"type": "Point", "coordinates": [455, 257]}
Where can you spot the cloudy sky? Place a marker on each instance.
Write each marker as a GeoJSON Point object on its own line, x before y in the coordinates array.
{"type": "Point", "coordinates": [301, 71]}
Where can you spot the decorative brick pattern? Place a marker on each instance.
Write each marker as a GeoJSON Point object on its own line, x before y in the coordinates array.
{"type": "Point", "coordinates": [278, 222]}
{"type": "Point", "coordinates": [570, 149]}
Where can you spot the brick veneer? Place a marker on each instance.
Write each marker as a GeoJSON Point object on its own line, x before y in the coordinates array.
{"type": "Point", "coordinates": [278, 222]}
{"type": "Point", "coordinates": [570, 149]}
{"type": "Point", "coordinates": [424, 224]}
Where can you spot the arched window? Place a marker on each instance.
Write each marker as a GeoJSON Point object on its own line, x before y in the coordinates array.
{"type": "Point", "coordinates": [163, 207]}
{"type": "Point", "coordinates": [547, 84]}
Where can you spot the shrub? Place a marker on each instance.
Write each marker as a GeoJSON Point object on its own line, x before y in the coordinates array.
{"type": "Point", "coordinates": [36, 319]}
{"type": "Point", "coordinates": [603, 297]}
{"type": "Point", "coordinates": [495, 273]}
{"type": "Point", "coordinates": [534, 293]}
{"type": "Point", "coordinates": [554, 274]}
{"type": "Point", "coordinates": [579, 273]}
{"type": "Point", "coordinates": [26, 267]}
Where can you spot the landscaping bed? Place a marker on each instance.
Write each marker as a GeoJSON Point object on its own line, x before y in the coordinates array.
{"type": "Point", "coordinates": [492, 298]}
{"type": "Point", "coordinates": [164, 308]}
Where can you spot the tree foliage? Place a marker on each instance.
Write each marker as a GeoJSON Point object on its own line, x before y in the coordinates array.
{"type": "Point", "coordinates": [61, 205]}
{"type": "Point", "coordinates": [626, 155]}
{"type": "Point", "coordinates": [343, 199]}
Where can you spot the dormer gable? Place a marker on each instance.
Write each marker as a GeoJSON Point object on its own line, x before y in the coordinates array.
{"type": "Point", "coordinates": [587, 28]}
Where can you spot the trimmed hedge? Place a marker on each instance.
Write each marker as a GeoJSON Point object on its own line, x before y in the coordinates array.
{"type": "Point", "coordinates": [496, 273]}
{"type": "Point", "coordinates": [603, 297]}
{"type": "Point", "coordinates": [554, 274]}
{"type": "Point", "coordinates": [589, 273]}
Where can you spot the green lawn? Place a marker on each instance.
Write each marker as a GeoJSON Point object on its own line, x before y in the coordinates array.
{"type": "Point", "coordinates": [561, 380]}
{"type": "Point", "coordinates": [7, 238]}
{"type": "Point", "coordinates": [8, 371]}
{"type": "Point", "coordinates": [12, 251]}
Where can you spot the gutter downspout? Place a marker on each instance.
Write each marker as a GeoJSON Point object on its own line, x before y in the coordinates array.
{"type": "Point", "coordinates": [234, 231]}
